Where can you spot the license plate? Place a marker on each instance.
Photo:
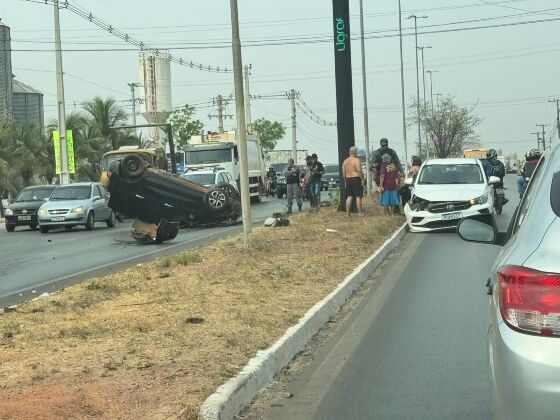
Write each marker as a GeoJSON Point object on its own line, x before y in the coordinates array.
{"type": "Point", "coordinates": [24, 218]}
{"type": "Point", "coordinates": [58, 219]}
{"type": "Point", "coordinates": [499, 191]}
{"type": "Point", "coordinates": [452, 216]}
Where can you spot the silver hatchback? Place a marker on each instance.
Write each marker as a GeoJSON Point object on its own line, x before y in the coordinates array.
{"type": "Point", "coordinates": [82, 203]}
{"type": "Point", "coordinates": [524, 331]}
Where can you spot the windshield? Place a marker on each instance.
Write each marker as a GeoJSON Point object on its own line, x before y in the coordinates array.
{"type": "Point", "coordinates": [451, 174]}
{"type": "Point", "coordinates": [203, 179]}
{"type": "Point", "coordinates": [82, 192]}
{"type": "Point", "coordinates": [331, 169]}
{"type": "Point", "coordinates": [34, 194]}
{"type": "Point", "coordinates": [196, 157]}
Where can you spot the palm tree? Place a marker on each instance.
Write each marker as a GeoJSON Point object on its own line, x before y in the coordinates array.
{"type": "Point", "coordinates": [106, 113]}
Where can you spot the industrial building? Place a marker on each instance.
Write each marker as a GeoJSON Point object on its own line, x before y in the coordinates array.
{"type": "Point", "coordinates": [19, 103]}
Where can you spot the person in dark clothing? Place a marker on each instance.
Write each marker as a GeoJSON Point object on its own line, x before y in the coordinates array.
{"type": "Point", "coordinates": [532, 159]}
{"type": "Point", "coordinates": [377, 160]}
{"type": "Point", "coordinates": [291, 172]}
{"type": "Point", "coordinates": [317, 171]}
{"type": "Point", "coordinates": [494, 167]}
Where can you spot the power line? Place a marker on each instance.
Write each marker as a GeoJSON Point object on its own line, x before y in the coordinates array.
{"type": "Point", "coordinates": [130, 40]}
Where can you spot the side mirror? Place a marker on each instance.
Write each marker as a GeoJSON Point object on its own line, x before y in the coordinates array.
{"type": "Point", "coordinates": [482, 229]}
{"type": "Point", "coordinates": [493, 180]}
{"type": "Point", "coordinates": [96, 198]}
{"type": "Point", "coordinates": [409, 181]}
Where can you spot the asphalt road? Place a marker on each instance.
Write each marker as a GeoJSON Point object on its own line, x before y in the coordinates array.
{"type": "Point", "coordinates": [414, 347]}
{"type": "Point", "coordinates": [32, 263]}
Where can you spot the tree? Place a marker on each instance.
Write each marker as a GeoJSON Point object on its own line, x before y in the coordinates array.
{"type": "Point", "coordinates": [184, 126]}
{"type": "Point", "coordinates": [269, 132]}
{"type": "Point", "coordinates": [450, 128]}
{"type": "Point", "coordinates": [104, 114]}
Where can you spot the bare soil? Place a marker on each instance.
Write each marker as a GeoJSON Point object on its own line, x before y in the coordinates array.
{"type": "Point", "coordinates": [155, 340]}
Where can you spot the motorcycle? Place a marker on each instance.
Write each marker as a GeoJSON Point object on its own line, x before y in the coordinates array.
{"type": "Point", "coordinates": [499, 197]}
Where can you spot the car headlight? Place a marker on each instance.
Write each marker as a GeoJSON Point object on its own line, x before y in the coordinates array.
{"type": "Point", "coordinates": [479, 200]}
{"type": "Point", "coordinates": [9, 212]}
{"type": "Point", "coordinates": [42, 212]}
{"type": "Point", "coordinates": [418, 204]}
{"type": "Point", "coordinates": [78, 210]}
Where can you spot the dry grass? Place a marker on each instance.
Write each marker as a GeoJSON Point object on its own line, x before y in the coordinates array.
{"type": "Point", "coordinates": [155, 340]}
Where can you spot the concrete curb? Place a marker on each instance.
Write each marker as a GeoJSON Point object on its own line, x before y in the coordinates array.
{"type": "Point", "coordinates": [235, 394]}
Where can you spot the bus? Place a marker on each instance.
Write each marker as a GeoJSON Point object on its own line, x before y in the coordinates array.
{"type": "Point", "coordinates": [475, 153]}
{"type": "Point", "coordinates": [153, 157]}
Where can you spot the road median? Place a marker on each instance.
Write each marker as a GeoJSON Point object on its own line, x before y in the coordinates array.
{"type": "Point", "coordinates": [156, 340]}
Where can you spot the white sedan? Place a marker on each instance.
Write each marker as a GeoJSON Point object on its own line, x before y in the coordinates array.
{"type": "Point", "coordinates": [447, 190]}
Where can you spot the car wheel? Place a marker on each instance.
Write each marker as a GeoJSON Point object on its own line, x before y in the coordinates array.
{"type": "Point", "coordinates": [33, 226]}
{"type": "Point", "coordinates": [44, 229]}
{"type": "Point", "coordinates": [112, 220]}
{"type": "Point", "coordinates": [68, 228]}
{"type": "Point", "coordinates": [10, 228]}
{"type": "Point", "coordinates": [217, 199]}
{"type": "Point", "coordinates": [90, 223]}
{"type": "Point", "coordinates": [132, 168]}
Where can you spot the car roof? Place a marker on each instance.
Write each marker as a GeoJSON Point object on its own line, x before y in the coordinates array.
{"type": "Point", "coordinates": [34, 187]}
{"type": "Point", "coordinates": [452, 161]}
{"type": "Point", "coordinates": [204, 171]}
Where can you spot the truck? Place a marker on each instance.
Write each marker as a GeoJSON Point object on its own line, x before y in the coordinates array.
{"type": "Point", "coordinates": [475, 153]}
{"type": "Point", "coordinates": [221, 149]}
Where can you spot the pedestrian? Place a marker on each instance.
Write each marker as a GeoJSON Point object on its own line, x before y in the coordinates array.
{"type": "Point", "coordinates": [317, 171]}
{"type": "Point", "coordinates": [353, 177]}
{"type": "Point", "coordinates": [291, 172]}
{"type": "Point", "coordinates": [385, 149]}
{"type": "Point", "coordinates": [308, 162]}
{"type": "Point", "coordinates": [405, 192]}
{"type": "Point", "coordinates": [388, 184]}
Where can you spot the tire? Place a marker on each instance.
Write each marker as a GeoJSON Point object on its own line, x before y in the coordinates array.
{"type": "Point", "coordinates": [132, 168]}
{"type": "Point", "coordinates": [112, 220]}
{"type": "Point", "coordinates": [498, 206]}
{"type": "Point", "coordinates": [44, 229]}
{"type": "Point", "coordinates": [33, 226]}
{"type": "Point", "coordinates": [68, 228]}
{"type": "Point", "coordinates": [90, 223]}
{"type": "Point", "coordinates": [10, 228]}
{"type": "Point", "coordinates": [217, 200]}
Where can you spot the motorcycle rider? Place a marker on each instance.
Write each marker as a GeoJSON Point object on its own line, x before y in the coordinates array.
{"type": "Point", "coordinates": [271, 177]}
{"type": "Point", "coordinates": [494, 167]}
{"type": "Point", "coordinates": [532, 159]}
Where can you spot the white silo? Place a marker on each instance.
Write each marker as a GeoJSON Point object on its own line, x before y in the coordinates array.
{"type": "Point", "coordinates": [155, 75]}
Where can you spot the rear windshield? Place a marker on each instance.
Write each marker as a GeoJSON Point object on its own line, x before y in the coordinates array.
{"type": "Point", "coordinates": [82, 192]}
{"type": "Point", "coordinates": [451, 174]}
{"type": "Point", "coordinates": [203, 179]}
{"type": "Point", "coordinates": [34, 194]}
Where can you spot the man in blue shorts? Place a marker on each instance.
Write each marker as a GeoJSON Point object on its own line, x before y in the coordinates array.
{"type": "Point", "coordinates": [317, 171]}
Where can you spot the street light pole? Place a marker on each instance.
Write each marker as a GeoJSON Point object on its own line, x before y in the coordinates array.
{"type": "Point", "coordinates": [61, 108]}
{"type": "Point", "coordinates": [241, 127]}
{"type": "Point", "coordinates": [402, 87]}
{"type": "Point", "coordinates": [132, 93]}
{"type": "Point", "coordinates": [430, 72]}
{"type": "Point", "coordinates": [366, 116]}
{"type": "Point", "coordinates": [417, 79]}
{"type": "Point", "coordinates": [424, 86]}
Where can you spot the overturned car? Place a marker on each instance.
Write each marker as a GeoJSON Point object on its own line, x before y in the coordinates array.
{"type": "Point", "coordinates": [161, 202]}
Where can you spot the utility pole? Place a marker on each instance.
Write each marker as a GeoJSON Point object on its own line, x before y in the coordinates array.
{"type": "Point", "coordinates": [64, 174]}
{"type": "Point", "coordinates": [241, 127]}
{"type": "Point", "coordinates": [538, 140]}
{"type": "Point", "coordinates": [424, 85]}
{"type": "Point", "coordinates": [543, 135]}
{"type": "Point", "coordinates": [247, 73]}
{"type": "Point", "coordinates": [417, 79]}
{"type": "Point", "coordinates": [132, 86]}
{"type": "Point", "coordinates": [437, 98]}
{"type": "Point", "coordinates": [294, 127]}
{"type": "Point", "coordinates": [557, 116]}
{"type": "Point", "coordinates": [369, 190]}
{"type": "Point", "coordinates": [219, 100]}
{"type": "Point", "coordinates": [430, 72]}
{"type": "Point", "coordinates": [402, 88]}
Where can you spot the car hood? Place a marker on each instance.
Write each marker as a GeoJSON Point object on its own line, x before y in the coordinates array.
{"type": "Point", "coordinates": [65, 204]}
{"type": "Point", "coordinates": [34, 205]}
{"type": "Point", "coordinates": [454, 192]}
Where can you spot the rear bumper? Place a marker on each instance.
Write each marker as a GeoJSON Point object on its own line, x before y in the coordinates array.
{"type": "Point", "coordinates": [524, 374]}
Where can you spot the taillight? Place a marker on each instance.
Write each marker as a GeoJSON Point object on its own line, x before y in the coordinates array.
{"type": "Point", "coordinates": [530, 299]}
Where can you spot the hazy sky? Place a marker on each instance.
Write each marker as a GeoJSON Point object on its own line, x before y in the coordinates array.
{"type": "Point", "coordinates": [510, 72]}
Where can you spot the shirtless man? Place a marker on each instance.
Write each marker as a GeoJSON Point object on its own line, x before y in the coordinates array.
{"type": "Point", "coordinates": [353, 181]}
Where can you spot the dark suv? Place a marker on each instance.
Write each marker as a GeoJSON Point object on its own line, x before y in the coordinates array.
{"type": "Point", "coordinates": [160, 201]}
{"type": "Point", "coordinates": [23, 211]}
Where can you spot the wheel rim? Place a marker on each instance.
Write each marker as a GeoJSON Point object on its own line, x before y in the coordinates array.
{"type": "Point", "coordinates": [132, 165]}
{"type": "Point", "coordinates": [217, 199]}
